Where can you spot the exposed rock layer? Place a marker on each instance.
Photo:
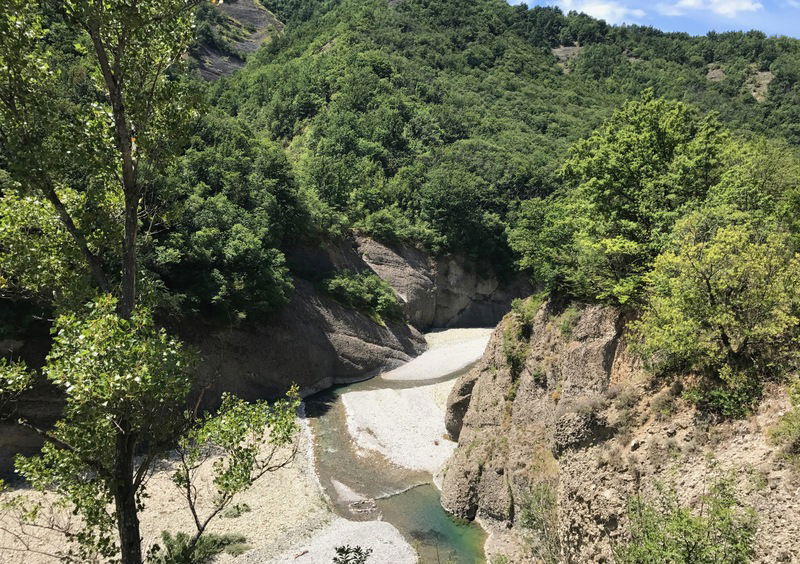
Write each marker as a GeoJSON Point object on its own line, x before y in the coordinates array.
{"type": "Point", "coordinates": [316, 342]}
{"type": "Point", "coordinates": [582, 420]}
{"type": "Point", "coordinates": [449, 291]}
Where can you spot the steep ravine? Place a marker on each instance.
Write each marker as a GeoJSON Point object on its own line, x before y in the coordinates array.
{"type": "Point", "coordinates": [314, 341]}
{"type": "Point", "coordinates": [578, 417]}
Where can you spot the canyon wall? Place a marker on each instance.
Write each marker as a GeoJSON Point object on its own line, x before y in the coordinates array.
{"type": "Point", "coordinates": [559, 409]}
{"type": "Point", "coordinates": [314, 341]}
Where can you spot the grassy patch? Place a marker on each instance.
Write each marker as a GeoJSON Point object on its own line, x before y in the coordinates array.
{"type": "Point", "coordinates": [568, 320]}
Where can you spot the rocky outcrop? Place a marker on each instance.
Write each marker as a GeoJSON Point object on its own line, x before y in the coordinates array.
{"type": "Point", "coordinates": [448, 291]}
{"type": "Point", "coordinates": [313, 342]}
{"type": "Point", "coordinates": [570, 412]}
{"type": "Point", "coordinates": [247, 24]}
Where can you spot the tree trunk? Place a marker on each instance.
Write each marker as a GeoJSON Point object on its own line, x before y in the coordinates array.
{"type": "Point", "coordinates": [125, 501]}
{"type": "Point", "coordinates": [128, 299]}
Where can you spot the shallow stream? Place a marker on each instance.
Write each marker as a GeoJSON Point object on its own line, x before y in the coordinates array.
{"type": "Point", "coordinates": [364, 485]}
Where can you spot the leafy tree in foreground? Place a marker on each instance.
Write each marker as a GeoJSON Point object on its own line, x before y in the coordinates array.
{"type": "Point", "coordinates": [132, 124]}
{"type": "Point", "coordinates": [724, 304]}
{"type": "Point", "coordinates": [91, 156]}
{"type": "Point", "coordinates": [126, 381]}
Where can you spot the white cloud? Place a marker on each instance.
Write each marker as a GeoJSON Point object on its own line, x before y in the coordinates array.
{"type": "Point", "coordinates": [611, 11]}
{"type": "Point", "coordinates": [728, 8]}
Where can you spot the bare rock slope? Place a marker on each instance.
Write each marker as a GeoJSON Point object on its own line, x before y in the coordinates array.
{"type": "Point", "coordinates": [316, 342]}
{"type": "Point", "coordinates": [570, 412]}
{"type": "Point", "coordinates": [245, 25]}
{"type": "Point", "coordinates": [448, 291]}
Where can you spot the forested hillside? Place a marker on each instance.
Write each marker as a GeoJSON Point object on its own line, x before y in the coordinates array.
{"type": "Point", "coordinates": [426, 122]}
{"type": "Point", "coordinates": [431, 120]}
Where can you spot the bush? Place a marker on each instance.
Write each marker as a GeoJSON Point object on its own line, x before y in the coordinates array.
{"type": "Point", "coordinates": [366, 292]}
{"type": "Point", "coordinates": [539, 514]}
{"type": "Point", "coordinates": [525, 311]}
{"type": "Point", "coordinates": [391, 226]}
{"type": "Point", "coordinates": [660, 529]}
{"type": "Point", "coordinates": [513, 350]}
{"type": "Point", "coordinates": [175, 549]}
{"type": "Point", "coordinates": [569, 319]}
{"type": "Point", "coordinates": [351, 555]}
{"type": "Point", "coordinates": [787, 432]}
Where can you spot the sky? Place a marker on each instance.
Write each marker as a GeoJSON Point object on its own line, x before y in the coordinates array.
{"type": "Point", "coordinates": [698, 17]}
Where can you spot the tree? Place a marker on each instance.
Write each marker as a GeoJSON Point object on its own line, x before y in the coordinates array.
{"type": "Point", "coordinates": [136, 124]}
{"type": "Point", "coordinates": [724, 301]}
{"type": "Point", "coordinates": [231, 200]}
{"type": "Point", "coordinates": [125, 384]}
{"type": "Point", "coordinates": [125, 381]}
{"type": "Point", "coordinates": [627, 184]}
{"type": "Point", "coordinates": [133, 124]}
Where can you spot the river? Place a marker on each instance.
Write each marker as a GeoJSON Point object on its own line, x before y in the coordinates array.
{"type": "Point", "coordinates": [379, 443]}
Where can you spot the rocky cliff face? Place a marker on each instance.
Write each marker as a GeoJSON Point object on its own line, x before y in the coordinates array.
{"type": "Point", "coordinates": [313, 342]}
{"type": "Point", "coordinates": [246, 25]}
{"type": "Point", "coordinates": [558, 409]}
{"type": "Point", "coordinates": [449, 291]}
{"type": "Point", "coordinates": [316, 342]}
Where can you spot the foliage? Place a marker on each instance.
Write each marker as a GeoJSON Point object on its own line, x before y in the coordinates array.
{"type": "Point", "coordinates": [525, 311]}
{"type": "Point", "coordinates": [626, 186]}
{"type": "Point", "coordinates": [241, 442]}
{"type": "Point", "coordinates": [390, 225]}
{"type": "Point", "coordinates": [232, 200]}
{"type": "Point", "coordinates": [539, 514]}
{"type": "Point", "coordinates": [15, 379]}
{"type": "Point", "coordinates": [123, 380]}
{"type": "Point", "coordinates": [351, 555]}
{"type": "Point", "coordinates": [449, 115]}
{"type": "Point", "coordinates": [126, 382]}
{"type": "Point", "coordinates": [514, 350]}
{"type": "Point", "coordinates": [660, 529]}
{"type": "Point", "coordinates": [364, 291]}
{"type": "Point", "coordinates": [787, 431]}
{"type": "Point", "coordinates": [175, 549]}
{"type": "Point", "coordinates": [724, 303]}
{"type": "Point", "coordinates": [568, 319]}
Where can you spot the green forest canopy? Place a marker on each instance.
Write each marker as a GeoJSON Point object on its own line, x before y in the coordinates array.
{"type": "Point", "coordinates": [434, 122]}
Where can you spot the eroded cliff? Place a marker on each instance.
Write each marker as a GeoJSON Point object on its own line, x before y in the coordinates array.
{"type": "Point", "coordinates": [559, 426]}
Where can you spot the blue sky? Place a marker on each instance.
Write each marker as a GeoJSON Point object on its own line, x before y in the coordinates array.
{"type": "Point", "coordinates": [698, 17]}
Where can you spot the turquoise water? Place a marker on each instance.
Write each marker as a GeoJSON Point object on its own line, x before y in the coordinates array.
{"type": "Point", "coordinates": [418, 514]}
{"type": "Point", "coordinates": [406, 499]}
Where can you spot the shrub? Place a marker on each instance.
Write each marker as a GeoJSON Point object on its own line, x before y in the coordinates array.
{"type": "Point", "coordinates": [175, 549]}
{"type": "Point", "coordinates": [391, 226]}
{"type": "Point", "coordinates": [525, 310]}
{"type": "Point", "coordinates": [660, 529]}
{"type": "Point", "coordinates": [539, 514]}
{"type": "Point", "coordinates": [569, 319]}
{"type": "Point", "coordinates": [724, 304]}
{"type": "Point", "coordinates": [366, 292]}
{"type": "Point", "coordinates": [236, 510]}
{"type": "Point", "coordinates": [787, 432]}
{"type": "Point", "coordinates": [513, 350]}
{"type": "Point", "coordinates": [351, 555]}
